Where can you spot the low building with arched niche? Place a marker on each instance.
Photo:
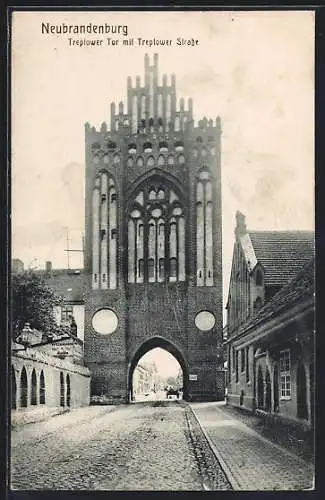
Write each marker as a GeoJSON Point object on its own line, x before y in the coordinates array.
{"type": "Point", "coordinates": [153, 265]}
{"type": "Point", "coordinates": [270, 346]}
{"type": "Point", "coordinates": [47, 379]}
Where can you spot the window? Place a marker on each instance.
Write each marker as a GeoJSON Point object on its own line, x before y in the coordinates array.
{"type": "Point", "coordinates": [68, 390]}
{"type": "Point", "coordinates": [67, 311]}
{"type": "Point", "coordinates": [113, 198]}
{"type": "Point", "coordinates": [242, 360]}
{"type": "Point", "coordinates": [141, 268]}
{"type": "Point", "coordinates": [161, 269]}
{"type": "Point", "coordinates": [13, 389]}
{"type": "Point", "coordinates": [33, 396]}
{"type": "Point", "coordinates": [257, 304]}
{"type": "Point", "coordinates": [229, 363]}
{"type": "Point", "coordinates": [247, 364]}
{"type": "Point", "coordinates": [173, 268]}
{"type": "Point", "coordinates": [23, 388]}
{"type": "Point", "coordinates": [157, 233]}
{"type": "Point", "coordinates": [61, 389]}
{"type": "Point", "coordinates": [285, 374]}
{"type": "Point", "coordinates": [236, 365]}
{"type": "Point", "coordinates": [259, 278]}
{"type": "Point", "coordinates": [113, 234]}
{"type": "Point", "coordinates": [42, 389]}
{"type": "Point", "coordinates": [151, 268]}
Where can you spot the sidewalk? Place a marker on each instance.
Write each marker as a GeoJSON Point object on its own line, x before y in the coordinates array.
{"type": "Point", "coordinates": [251, 462]}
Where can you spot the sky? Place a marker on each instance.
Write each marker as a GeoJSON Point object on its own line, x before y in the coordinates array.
{"type": "Point", "coordinates": [165, 362]}
{"type": "Point", "coordinates": [254, 69]}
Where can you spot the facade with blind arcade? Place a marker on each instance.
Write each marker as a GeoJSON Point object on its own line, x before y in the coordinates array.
{"type": "Point", "coordinates": [153, 240]}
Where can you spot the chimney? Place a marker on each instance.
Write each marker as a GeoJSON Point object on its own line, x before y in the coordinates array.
{"type": "Point", "coordinates": [240, 229]}
{"type": "Point", "coordinates": [48, 266]}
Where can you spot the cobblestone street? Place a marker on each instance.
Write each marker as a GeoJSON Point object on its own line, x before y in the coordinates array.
{"type": "Point", "coordinates": [146, 446]}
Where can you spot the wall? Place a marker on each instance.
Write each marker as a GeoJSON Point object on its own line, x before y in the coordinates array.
{"type": "Point", "coordinates": [79, 316]}
{"type": "Point", "coordinates": [234, 389]}
{"type": "Point", "coordinates": [51, 367]}
{"type": "Point", "coordinates": [266, 359]}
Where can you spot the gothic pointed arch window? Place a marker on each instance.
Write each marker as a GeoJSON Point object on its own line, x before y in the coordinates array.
{"type": "Point", "coordinates": [33, 396]}
{"type": "Point", "coordinates": [13, 389]}
{"type": "Point", "coordinates": [23, 388]}
{"type": "Point", "coordinates": [68, 395]}
{"type": "Point", "coordinates": [204, 228]}
{"type": "Point", "coordinates": [156, 241]}
{"type": "Point", "coordinates": [62, 389]}
{"type": "Point", "coordinates": [173, 268]}
{"type": "Point", "coordinates": [104, 225]}
{"type": "Point", "coordinates": [42, 389]}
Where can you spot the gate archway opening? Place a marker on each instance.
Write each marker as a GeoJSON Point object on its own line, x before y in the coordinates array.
{"type": "Point", "coordinates": [157, 372]}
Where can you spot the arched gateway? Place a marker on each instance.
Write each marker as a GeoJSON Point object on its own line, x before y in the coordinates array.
{"type": "Point", "coordinates": [153, 241]}
{"type": "Point", "coordinates": [167, 346]}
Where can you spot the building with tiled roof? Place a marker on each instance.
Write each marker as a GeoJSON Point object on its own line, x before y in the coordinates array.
{"type": "Point", "coordinates": [263, 262]}
{"type": "Point", "coordinates": [69, 285]}
{"type": "Point", "coordinates": [270, 330]}
{"type": "Point", "coordinates": [282, 253]}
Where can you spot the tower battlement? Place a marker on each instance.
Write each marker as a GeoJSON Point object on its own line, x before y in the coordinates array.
{"type": "Point", "coordinates": [151, 108]}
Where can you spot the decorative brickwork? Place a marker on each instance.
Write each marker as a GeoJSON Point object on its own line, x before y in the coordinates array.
{"type": "Point", "coordinates": [153, 239]}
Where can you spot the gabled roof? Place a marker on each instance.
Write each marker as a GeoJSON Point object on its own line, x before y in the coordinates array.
{"type": "Point", "coordinates": [301, 287]}
{"type": "Point", "coordinates": [282, 253]}
{"type": "Point", "coordinates": [66, 283]}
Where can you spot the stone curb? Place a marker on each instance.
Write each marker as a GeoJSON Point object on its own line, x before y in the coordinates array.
{"type": "Point", "coordinates": [231, 478]}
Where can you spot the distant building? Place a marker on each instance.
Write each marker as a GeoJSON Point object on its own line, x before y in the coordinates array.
{"type": "Point", "coordinates": [270, 331]}
{"type": "Point", "coordinates": [144, 378]}
{"type": "Point", "coordinates": [68, 284]}
{"type": "Point", "coordinates": [17, 266]}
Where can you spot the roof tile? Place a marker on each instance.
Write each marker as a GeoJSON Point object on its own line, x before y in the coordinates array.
{"type": "Point", "coordinates": [282, 253]}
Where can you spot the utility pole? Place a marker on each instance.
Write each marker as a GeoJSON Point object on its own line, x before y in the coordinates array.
{"type": "Point", "coordinates": [68, 250]}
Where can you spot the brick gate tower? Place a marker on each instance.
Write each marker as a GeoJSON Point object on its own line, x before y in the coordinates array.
{"type": "Point", "coordinates": [153, 241]}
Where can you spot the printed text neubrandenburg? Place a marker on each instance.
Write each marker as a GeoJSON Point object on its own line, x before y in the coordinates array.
{"type": "Point", "coordinates": [82, 29]}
